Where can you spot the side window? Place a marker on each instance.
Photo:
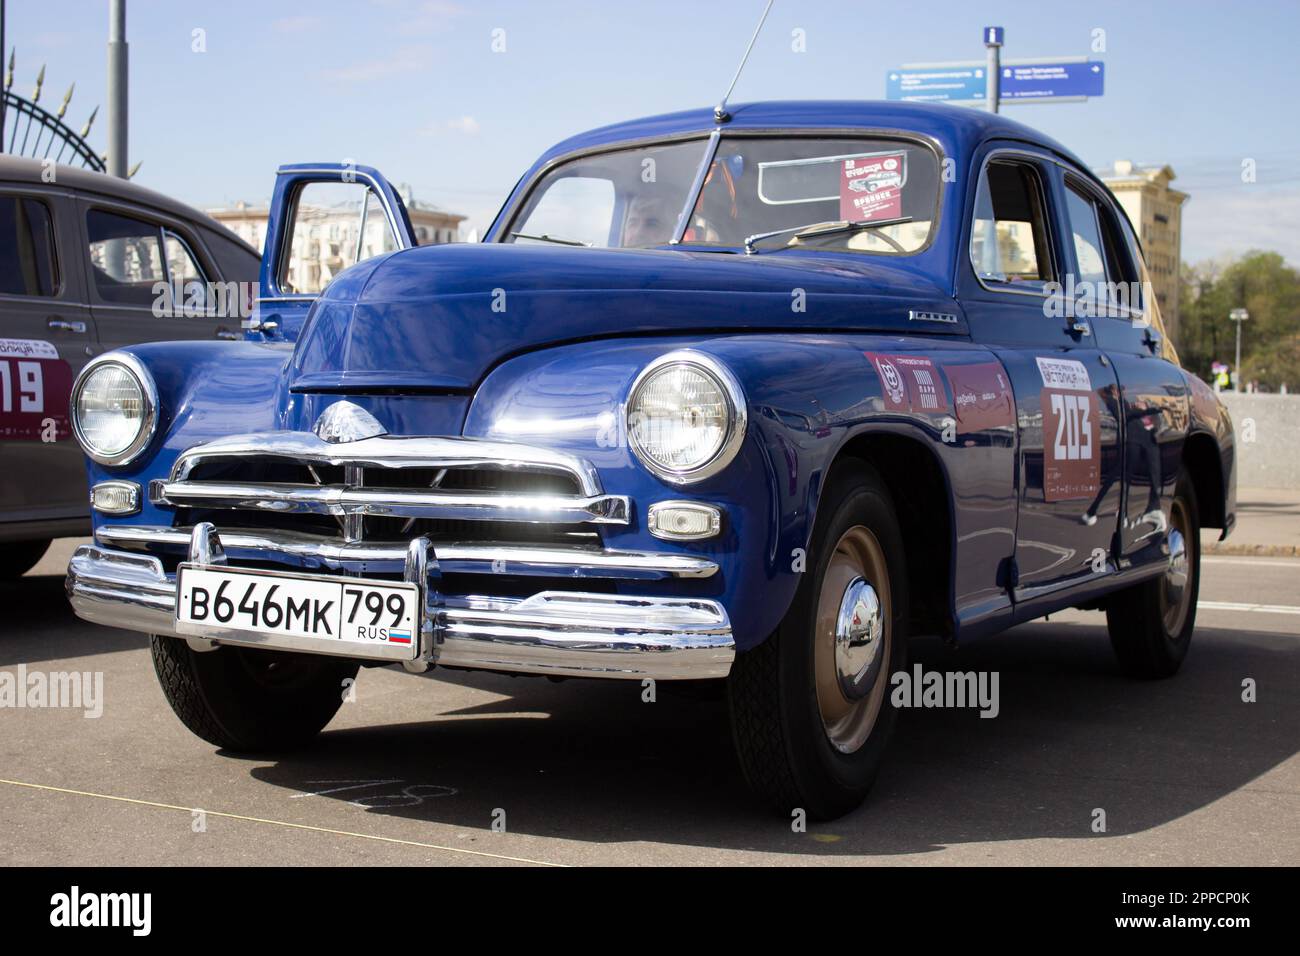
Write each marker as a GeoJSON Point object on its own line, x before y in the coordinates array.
{"type": "Point", "coordinates": [27, 264]}
{"type": "Point", "coordinates": [1089, 253]}
{"type": "Point", "coordinates": [579, 210]}
{"type": "Point", "coordinates": [126, 257]}
{"type": "Point", "coordinates": [1009, 240]}
{"type": "Point", "coordinates": [335, 225]}
{"type": "Point", "coordinates": [189, 287]}
{"type": "Point", "coordinates": [1106, 272]}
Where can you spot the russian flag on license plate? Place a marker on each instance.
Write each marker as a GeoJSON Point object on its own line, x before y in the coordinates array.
{"type": "Point", "coordinates": [399, 637]}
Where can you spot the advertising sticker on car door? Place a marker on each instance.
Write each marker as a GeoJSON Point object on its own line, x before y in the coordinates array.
{"type": "Point", "coordinates": [35, 385]}
{"type": "Point", "coordinates": [1071, 431]}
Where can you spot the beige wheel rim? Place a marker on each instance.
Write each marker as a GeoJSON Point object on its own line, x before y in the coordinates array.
{"type": "Point", "coordinates": [851, 642]}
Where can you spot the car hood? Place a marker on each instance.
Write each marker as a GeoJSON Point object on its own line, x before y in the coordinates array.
{"type": "Point", "coordinates": [438, 318]}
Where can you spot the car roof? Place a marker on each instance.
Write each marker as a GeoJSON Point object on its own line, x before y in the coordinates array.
{"type": "Point", "coordinates": [22, 169]}
{"type": "Point", "coordinates": [959, 129]}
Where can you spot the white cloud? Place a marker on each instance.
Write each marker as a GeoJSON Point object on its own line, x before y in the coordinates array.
{"type": "Point", "coordinates": [464, 124]}
{"type": "Point", "coordinates": [301, 24]}
{"type": "Point", "coordinates": [1230, 221]}
{"type": "Point", "coordinates": [403, 60]}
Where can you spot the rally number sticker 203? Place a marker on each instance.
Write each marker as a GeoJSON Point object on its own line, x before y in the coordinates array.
{"type": "Point", "coordinates": [1071, 431]}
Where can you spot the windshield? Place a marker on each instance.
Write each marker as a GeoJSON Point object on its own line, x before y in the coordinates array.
{"type": "Point", "coordinates": [633, 198]}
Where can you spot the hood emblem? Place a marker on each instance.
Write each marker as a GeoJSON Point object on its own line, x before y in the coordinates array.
{"type": "Point", "coordinates": [345, 422]}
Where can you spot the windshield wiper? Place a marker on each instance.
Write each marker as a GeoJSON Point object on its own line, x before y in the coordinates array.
{"type": "Point", "coordinates": [822, 229]}
{"type": "Point", "coordinates": [555, 239]}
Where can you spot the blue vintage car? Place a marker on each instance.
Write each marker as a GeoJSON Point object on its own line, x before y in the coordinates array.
{"type": "Point", "coordinates": [753, 396]}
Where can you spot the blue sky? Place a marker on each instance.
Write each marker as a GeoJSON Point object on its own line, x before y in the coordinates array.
{"type": "Point", "coordinates": [413, 86]}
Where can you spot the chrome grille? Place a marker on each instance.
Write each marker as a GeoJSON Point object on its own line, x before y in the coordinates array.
{"type": "Point", "coordinates": [486, 507]}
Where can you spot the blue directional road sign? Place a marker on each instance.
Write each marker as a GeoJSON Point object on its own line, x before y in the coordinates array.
{"type": "Point", "coordinates": [994, 36]}
{"type": "Point", "coordinates": [941, 83]}
{"type": "Point", "coordinates": [1026, 81]}
{"type": "Point", "coordinates": [1046, 80]}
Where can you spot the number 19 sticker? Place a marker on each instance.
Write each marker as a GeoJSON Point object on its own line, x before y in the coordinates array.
{"type": "Point", "coordinates": [34, 388]}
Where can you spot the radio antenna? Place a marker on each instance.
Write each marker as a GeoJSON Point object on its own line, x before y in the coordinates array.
{"type": "Point", "coordinates": [720, 114]}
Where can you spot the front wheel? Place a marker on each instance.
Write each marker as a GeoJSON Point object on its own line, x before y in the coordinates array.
{"type": "Point", "coordinates": [249, 700]}
{"type": "Point", "coordinates": [1151, 623]}
{"type": "Point", "coordinates": [809, 714]}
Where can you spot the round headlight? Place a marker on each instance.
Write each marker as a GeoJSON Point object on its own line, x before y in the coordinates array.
{"type": "Point", "coordinates": [685, 417]}
{"type": "Point", "coordinates": [113, 409]}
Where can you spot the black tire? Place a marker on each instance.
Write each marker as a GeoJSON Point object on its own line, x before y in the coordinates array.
{"type": "Point", "coordinates": [250, 700]}
{"type": "Point", "coordinates": [1149, 638]}
{"type": "Point", "coordinates": [19, 557]}
{"type": "Point", "coordinates": [782, 740]}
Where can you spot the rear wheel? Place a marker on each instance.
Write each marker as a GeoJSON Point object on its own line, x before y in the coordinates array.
{"type": "Point", "coordinates": [809, 713]}
{"type": "Point", "coordinates": [19, 557]}
{"type": "Point", "coordinates": [1151, 623]}
{"type": "Point", "coordinates": [250, 700]}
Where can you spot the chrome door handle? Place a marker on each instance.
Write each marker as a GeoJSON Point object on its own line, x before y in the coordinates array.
{"type": "Point", "coordinates": [64, 325]}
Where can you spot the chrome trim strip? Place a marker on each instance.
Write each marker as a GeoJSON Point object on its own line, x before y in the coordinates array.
{"type": "Point", "coordinates": [558, 633]}
{"type": "Point", "coordinates": [392, 451]}
{"type": "Point", "coordinates": [352, 502]}
{"type": "Point", "coordinates": [455, 558]}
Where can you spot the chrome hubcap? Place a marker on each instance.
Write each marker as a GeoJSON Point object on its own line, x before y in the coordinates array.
{"type": "Point", "coordinates": [1175, 592]}
{"type": "Point", "coordinates": [858, 633]}
{"type": "Point", "coordinates": [851, 643]}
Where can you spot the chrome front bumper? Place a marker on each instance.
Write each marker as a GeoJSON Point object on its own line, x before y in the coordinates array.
{"type": "Point", "coordinates": [561, 633]}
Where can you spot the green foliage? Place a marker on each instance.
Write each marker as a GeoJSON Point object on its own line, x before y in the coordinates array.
{"type": "Point", "coordinates": [1269, 289]}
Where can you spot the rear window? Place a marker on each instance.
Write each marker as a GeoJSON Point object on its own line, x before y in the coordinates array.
{"type": "Point", "coordinates": [26, 247]}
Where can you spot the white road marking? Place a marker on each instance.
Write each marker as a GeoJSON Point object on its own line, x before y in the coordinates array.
{"type": "Point", "coordinates": [1246, 560]}
{"type": "Point", "coordinates": [1240, 606]}
{"type": "Point", "coordinates": [279, 823]}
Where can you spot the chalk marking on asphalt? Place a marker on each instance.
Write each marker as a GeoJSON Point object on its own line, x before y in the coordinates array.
{"type": "Point", "coordinates": [278, 823]}
{"type": "Point", "coordinates": [1238, 606]}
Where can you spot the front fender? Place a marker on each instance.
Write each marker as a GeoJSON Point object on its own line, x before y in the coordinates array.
{"type": "Point", "coordinates": [206, 390]}
{"type": "Point", "coordinates": [808, 396]}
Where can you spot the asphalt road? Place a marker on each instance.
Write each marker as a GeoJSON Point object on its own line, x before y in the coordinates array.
{"type": "Point", "coordinates": [583, 772]}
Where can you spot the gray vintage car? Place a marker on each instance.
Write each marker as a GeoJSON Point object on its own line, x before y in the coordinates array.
{"type": "Point", "coordinates": [83, 257]}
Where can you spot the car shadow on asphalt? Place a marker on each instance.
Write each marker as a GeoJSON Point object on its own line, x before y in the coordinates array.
{"type": "Point", "coordinates": [590, 761]}
{"type": "Point", "coordinates": [37, 620]}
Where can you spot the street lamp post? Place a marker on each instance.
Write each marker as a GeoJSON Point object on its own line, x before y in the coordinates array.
{"type": "Point", "coordinates": [117, 88]}
{"type": "Point", "coordinates": [1239, 316]}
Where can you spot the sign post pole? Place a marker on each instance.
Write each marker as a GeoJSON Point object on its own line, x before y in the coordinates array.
{"type": "Point", "coordinates": [1239, 316]}
{"type": "Point", "coordinates": [993, 42]}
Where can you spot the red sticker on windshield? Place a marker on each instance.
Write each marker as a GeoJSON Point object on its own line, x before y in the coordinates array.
{"type": "Point", "coordinates": [35, 385]}
{"type": "Point", "coordinates": [871, 187]}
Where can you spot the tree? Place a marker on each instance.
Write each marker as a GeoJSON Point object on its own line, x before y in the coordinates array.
{"type": "Point", "coordinates": [1269, 289]}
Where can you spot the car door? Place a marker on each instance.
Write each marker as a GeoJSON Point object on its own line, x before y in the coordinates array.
{"type": "Point", "coordinates": [1068, 483]}
{"type": "Point", "coordinates": [323, 218]}
{"type": "Point", "coordinates": [149, 277]}
{"type": "Point", "coordinates": [45, 339]}
{"type": "Point", "coordinates": [1153, 393]}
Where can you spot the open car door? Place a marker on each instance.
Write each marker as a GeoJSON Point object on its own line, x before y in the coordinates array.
{"type": "Point", "coordinates": [323, 218]}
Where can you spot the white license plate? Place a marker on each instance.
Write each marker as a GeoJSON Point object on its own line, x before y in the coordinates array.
{"type": "Point", "coordinates": [349, 610]}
